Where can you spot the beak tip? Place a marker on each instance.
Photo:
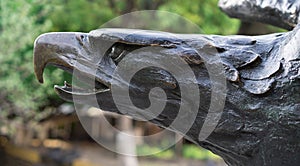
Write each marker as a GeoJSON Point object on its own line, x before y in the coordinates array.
{"type": "Point", "coordinates": [40, 78]}
{"type": "Point", "coordinates": [41, 81]}
{"type": "Point", "coordinates": [38, 71]}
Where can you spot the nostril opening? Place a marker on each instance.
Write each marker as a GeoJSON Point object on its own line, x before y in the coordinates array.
{"type": "Point", "coordinates": [80, 39]}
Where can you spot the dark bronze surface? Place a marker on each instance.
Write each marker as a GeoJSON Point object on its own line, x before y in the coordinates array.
{"type": "Point", "coordinates": [261, 119]}
{"type": "Point", "coordinates": [281, 13]}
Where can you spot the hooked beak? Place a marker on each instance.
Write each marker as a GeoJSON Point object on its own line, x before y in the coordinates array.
{"type": "Point", "coordinates": [69, 52]}
{"type": "Point", "coordinates": [57, 49]}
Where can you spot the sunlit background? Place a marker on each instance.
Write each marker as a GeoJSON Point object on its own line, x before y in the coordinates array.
{"type": "Point", "coordinates": [38, 128]}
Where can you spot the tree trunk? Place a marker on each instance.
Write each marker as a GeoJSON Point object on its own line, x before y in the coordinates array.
{"type": "Point", "coordinates": [126, 144]}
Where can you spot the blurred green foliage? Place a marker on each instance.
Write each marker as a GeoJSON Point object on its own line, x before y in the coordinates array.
{"type": "Point", "coordinates": [156, 151]}
{"type": "Point", "coordinates": [86, 15]}
{"type": "Point", "coordinates": [189, 151]}
{"type": "Point", "coordinates": [195, 152]}
{"type": "Point", "coordinates": [21, 21]}
{"type": "Point", "coordinates": [79, 15]}
{"type": "Point", "coordinates": [204, 13]}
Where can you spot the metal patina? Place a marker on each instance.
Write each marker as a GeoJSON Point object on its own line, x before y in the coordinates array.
{"type": "Point", "coordinates": [261, 119]}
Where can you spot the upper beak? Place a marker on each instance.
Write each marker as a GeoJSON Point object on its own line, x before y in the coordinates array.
{"type": "Point", "coordinates": [56, 49]}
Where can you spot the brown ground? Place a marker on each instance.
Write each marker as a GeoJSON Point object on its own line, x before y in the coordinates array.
{"type": "Point", "coordinates": [96, 154]}
{"type": "Point", "coordinates": [92, 154]}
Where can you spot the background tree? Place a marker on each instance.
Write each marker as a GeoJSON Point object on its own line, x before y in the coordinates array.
{"type": "Point", "coordinates": [21, 97]}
